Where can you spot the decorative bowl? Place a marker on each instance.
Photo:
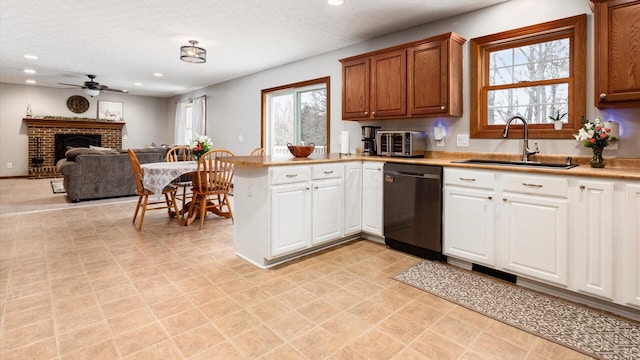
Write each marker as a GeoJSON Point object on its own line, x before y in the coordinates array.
{"type": "Point", "coordinates": [301, 151]}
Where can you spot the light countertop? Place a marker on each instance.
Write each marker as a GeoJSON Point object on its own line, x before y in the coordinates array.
{"type": "Point", "coordinates": [616, 168]}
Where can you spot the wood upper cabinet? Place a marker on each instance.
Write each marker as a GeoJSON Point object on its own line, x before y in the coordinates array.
{"type": "Point", "coordinates": [389, 84]}
{"type": "Point", "coordinates": [418, 79]}
{"type": "Point", "coordinates": [435, 77]}
{"type": "Point", "coordinates": [617, 51]}
{"type": "Point", "coordinates": [375, 87]}
{"type": "Point", "coordinates": [355, 89]}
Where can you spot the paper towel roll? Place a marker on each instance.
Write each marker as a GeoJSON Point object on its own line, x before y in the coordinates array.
{"type": "Point", "coordinates": [344, 142]}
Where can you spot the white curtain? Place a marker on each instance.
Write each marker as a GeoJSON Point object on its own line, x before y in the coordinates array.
{"type": "Point", "coordinates": [180, 123]}
{"type": "Point", "coordinates": [199, 115]}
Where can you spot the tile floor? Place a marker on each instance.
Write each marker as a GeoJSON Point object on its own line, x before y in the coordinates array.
{"type": "Point", "coordinates": [82, 283]}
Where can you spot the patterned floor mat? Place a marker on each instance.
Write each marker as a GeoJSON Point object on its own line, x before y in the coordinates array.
{"type": "Point", "coordinates": [590, 332]}
{"type": "Point", "coordinates": [57, 187]}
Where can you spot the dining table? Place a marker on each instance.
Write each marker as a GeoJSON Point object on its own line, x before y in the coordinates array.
{"type": "Point", "coordinates": [158, 175]}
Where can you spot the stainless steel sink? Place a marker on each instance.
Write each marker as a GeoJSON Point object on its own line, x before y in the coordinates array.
{"type": "Point", "coordinates": [516, 163]}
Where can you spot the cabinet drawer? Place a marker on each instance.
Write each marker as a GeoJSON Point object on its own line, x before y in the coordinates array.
{"type": "Point", "coordinates": [538, 185]}
{"type": "Point", "coordinates": [469, 178]}
{"type": "Point", "coordinates": [289, 174]}
{"type": "Point", "coordinates": [327, 171]}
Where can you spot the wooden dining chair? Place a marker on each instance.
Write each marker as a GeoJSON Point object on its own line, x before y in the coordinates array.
{"type": "Point", "coordinates": [181, 153]}
{"type": "Point", "coordinates": [212, 184]}
{"type": "Point", "coordinates": [169, 193]}
{"type": "Point", "coordinates": [258, 152]}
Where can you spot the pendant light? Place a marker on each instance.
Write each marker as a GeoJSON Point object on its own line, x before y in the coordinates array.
{"type": "Point", "coordinates": [192, 53]}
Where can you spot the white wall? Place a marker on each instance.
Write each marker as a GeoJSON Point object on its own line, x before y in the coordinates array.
{"type": "Point", "coordinates": [145, 119]}
{"type": "Point", "coordinates": [234, 106]}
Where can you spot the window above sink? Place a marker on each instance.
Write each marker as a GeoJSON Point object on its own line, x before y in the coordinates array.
{"type": "Point", "coordinates": [537, 72]}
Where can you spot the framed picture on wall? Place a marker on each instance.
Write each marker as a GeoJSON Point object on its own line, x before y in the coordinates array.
{"type": "Point", "coordinates": [110, 110]}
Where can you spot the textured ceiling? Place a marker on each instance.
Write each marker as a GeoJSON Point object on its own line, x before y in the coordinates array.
{"type": "Point", "coordinates": [124, 41]}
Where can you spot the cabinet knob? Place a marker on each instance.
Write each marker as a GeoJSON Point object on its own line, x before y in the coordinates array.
{"type": "Point", "coordinates": [490, 197]}
{"type": "Point", "coordinates": [316, 187]}
{"type": "Point", "coordinates": [366, 113]}
{"type": "Point", "coordinates": [603, 96]}
{"type": "Point", "coordinates": [504, 199]}
{"type": "Point", "coordinates": [307, 188]}
{"type": "Point", "coordinates": [373, 113]}
{"type": "Point", "coordinates": [582, 187]}
{"type": "Point", "coordinates": [442, 108]}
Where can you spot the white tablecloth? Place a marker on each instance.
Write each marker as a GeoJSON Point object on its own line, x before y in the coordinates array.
{"type": "Point", "coordinates": [160, 174]}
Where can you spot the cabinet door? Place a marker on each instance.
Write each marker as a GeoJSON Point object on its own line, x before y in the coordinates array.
{"type": "Point", "coordinates": [372, 192]}
{"type": "Point", "coordinates": [290, 218]}
{"type": "Point", "coordinates": [632, 240]}
{"type": "Point", "coordinates": [435, 78]}
{"type": "Point", "coordinates": [355, 89]}
{"type": "Point", "coordinates": [595, 249]}
{"type": "Point", "coordinates": [328, 210]}
{"type": "Point", "coordinates": [469, 222]}
{"type": "Point", "coordinates": [353, 199]}
{"type": "Point", "coordinates": [617, 53]}
{"type": "Point", "coordinates": [535, 235]}
{"type": "Point", "coordinates": [389, 84]}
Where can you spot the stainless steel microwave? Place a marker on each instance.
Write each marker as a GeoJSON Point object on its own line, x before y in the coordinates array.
{"type": "Point", "coordinates": [401, 143]}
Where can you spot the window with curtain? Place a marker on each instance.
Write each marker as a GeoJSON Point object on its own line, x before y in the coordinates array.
{"type": "Point", "coordinates": [296, 113]}
{"type": "Point", "coordinates": [190, 120]}
{"type": "Point", "coordinates": [537, 72]}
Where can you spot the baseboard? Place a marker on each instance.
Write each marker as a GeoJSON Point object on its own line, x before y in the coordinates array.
{"type": "Point", "coordinates": [15, 177]}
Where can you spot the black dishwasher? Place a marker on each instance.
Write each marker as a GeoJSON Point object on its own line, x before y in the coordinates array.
{"type": "Point", "coordinates": [413, 209]}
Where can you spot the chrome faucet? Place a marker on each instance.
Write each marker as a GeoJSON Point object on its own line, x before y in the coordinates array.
{"type": "Point", "coordinates": [526, 152]}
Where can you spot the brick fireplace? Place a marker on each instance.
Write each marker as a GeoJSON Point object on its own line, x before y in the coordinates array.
{"type": "Point", "coordinates": [42, 133]}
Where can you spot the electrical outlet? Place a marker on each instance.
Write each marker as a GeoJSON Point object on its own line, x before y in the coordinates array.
{"type": "Point", "coordinates": [240, 138]}
{"type": "Point", "coordinates": [462, 140]}
{"type": "Point", "coordinates": [9, 165]}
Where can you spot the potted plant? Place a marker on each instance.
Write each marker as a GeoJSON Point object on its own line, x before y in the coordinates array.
{"type": "Point", "coordinates": [557, 120]}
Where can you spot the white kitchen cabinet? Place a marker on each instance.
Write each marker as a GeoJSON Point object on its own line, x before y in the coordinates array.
{"type": "Point", "coordinates": [372, 197]}
{"type": "Point", "coordinates": [291, 227]}
{"type": "Point", "coordinates": [594, 250]}
{"type": "Point", "coordinates": [469, 215]}
{"type": "Point", "coordinates": [632, 244]}
{"type": "Point", "coordinates": [307, 207]}
{"type": "Point", "coordinates": [290, 209]}
{"type": "Point", "coordinates": [533, 227]}
{"type": "Point", "coordinates": [353, 198]}
{"type": "Point", "coordinates": [328, 202]}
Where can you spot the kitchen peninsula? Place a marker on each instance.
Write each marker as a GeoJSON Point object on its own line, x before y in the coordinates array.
{"type": "Point", "coordinates": [574, 230]}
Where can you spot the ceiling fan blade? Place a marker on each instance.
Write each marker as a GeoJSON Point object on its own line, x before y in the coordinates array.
{"type": "Point", "coordinates": [74, 85]}
{"type": "Point", "coordinates": [115, 90]}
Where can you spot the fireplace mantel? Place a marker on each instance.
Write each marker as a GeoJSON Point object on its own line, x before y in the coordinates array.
{"type": "Point", "coordinates": [69, 123]}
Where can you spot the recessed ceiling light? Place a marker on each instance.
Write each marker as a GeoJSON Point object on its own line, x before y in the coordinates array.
{"type": "Point", "coordinates": [30, 81]}
{"type": "Point", "coordinates": [29, 71]}
{"type": "Point", "coordinates": [335, 2]}
{"type": "Point", "coordinates": [158, 75]}
{"type": "Point", "coordinates": [137, 84]}
{"type": "Point", "coordinates": [32, 57]}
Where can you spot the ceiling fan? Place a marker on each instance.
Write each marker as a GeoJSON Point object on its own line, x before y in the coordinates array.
{"type": "Point", "coordinates": [93, 88]}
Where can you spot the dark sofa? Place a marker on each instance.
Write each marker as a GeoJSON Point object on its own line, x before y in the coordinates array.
{"type": "Point", "coordinates": [94, 174]}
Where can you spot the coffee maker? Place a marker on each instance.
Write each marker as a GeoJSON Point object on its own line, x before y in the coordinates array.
{"type": "Point", "coordinates": [369, 140]}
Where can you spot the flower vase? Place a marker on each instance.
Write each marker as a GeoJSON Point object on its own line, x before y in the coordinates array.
{"type": "Point", "coordinates": [597, 161]}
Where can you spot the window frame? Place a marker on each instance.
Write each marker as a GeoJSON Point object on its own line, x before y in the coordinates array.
{"type": "Point", "coordinates": [294, 87]}
{"type": "Point", "coordinates": [573, 28]}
